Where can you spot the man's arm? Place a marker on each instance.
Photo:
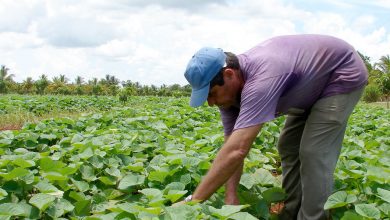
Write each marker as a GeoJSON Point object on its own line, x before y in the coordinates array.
{"type": "Point", "coordinates": [228, 160]}
{"type": "Point", "coordinates": [231, 196]}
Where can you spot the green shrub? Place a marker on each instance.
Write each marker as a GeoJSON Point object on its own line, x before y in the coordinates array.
{"type": "Point", "coordinates": [372, 93]}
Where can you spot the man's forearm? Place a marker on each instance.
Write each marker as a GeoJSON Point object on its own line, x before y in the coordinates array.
{"type": "Point", "coordinates": [228, 160]}
{"type": "Point", "coordinates": [231, 197]}
{"type": "Point", "coordinates": [223, 167]}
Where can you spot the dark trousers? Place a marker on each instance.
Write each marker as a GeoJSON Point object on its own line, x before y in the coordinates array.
{"type": "Point", "coordinates": [309, 147]}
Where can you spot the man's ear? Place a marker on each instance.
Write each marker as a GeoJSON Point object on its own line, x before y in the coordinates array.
{"type": "Point", "coordinates": [229, 73]}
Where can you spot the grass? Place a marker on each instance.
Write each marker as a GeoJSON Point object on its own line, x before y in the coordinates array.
{"type": "Point", "coordinates": [380, 104]}
{"type": "Point", "coordinates": [16, 120]}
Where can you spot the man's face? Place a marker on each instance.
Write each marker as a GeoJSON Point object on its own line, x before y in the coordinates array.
{"type": "Point", "coordinates": [227, 95]}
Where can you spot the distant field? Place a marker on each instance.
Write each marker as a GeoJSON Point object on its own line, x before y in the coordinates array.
{"type": "Point", "coordinates": [380, 104]}
{"type": "Point", "coordinates": [15, 110]}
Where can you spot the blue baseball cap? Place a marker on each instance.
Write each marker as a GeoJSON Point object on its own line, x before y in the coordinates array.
{"type": "Point", "coordinates": [202, 68]}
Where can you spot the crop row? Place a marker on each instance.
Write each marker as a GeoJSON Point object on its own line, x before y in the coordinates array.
{"type": "Point", "coordinates": [134, 162]}
{"type": "Point", "coordinates": [40, 105]}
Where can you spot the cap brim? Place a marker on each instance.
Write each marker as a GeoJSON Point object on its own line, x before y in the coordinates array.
{"type": "Point", "coordinates": [198, 97]}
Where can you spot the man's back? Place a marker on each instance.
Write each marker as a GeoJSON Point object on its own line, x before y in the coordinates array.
{"type": "Point", "coordinates": [293, 72]}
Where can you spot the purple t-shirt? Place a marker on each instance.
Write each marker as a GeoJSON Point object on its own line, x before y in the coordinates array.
{"type": "Point", "coordinates": [290, 73]}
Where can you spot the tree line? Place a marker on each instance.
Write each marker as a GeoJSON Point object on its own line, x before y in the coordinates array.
{"type": "Point", "coordinates": [109, 85]}
{"type": "Point", "coordinates": [378, 88]}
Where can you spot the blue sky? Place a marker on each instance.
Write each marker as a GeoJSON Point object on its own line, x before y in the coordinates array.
{"type": "Point", "coordinates": [151, 41]}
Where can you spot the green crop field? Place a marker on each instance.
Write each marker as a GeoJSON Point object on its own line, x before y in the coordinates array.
{"type": "Point", "coordinates": [134, 160]}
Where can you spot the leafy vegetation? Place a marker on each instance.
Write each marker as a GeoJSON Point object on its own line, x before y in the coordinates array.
{"type": "Point", "coordinates": [378, 79]}
{"type": "Point", "coordinates": [40, 105]}
{"type": "Point", "coordinates": [135, 161]}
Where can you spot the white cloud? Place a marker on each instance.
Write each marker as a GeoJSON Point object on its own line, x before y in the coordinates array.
{"type": "Point", "coordinates": [17, 16]}
{"type": "Point", "coordinates": [152, 41]}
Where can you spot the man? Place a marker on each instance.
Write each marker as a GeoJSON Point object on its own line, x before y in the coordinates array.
{"type": "Point", "coordinates": [315, 80]}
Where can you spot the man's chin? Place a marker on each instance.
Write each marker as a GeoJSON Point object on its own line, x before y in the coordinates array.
{"type": "Point", "coordinates": [224, 106]}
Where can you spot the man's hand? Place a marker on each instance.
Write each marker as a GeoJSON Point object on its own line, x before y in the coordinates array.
{"type": "Point", "coordinates": [187, 199]}
{"type": "Point", "coordinates": [228, 160]}
{"type": "Point", "coordinates": [179, 203]}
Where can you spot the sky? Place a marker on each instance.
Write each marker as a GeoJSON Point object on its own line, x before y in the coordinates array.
{"type": "Point", "coordinates": [151, 41]}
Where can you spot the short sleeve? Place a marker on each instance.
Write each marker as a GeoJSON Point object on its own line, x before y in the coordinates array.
{"type": "Point", "coordinates": [259, 100]}
{"type": "Point", "coordinates": [229, 117]}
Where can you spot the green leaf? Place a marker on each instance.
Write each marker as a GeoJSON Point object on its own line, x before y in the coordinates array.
{"type": "Point", "coordinates": [227, 210]}
{"type": "Point", "coordinates": [367, 210]}
{"type": "Point", "coordinates": [78, 196]}
{"type": "Point", "coordinates": [274, 194]}
{"type": "Point", "coordinates": [191, 161]}
{"type": "Point", "coordinates": [108, 180]}
{"type": "Point", "coordinates": [15, 173]}
{"type": "Point", "coordinates": [112, 193]}
{"type": "Point", "coordinates": [131, 180]}
{"type": "Point", "coordinates": [378, 174]}
{"type": "Point", "coordinates": [137, 167]}
{"type": "Point", "coordinates": [264, 177]}
{"type": "Point", "coordinates": [181, 212]}
{"type": "Point", "coordinates": [45, 187]}
{"type": "Point", "coordinates": [82, 207]}
{"type": "Point", "coordinates": [385, 208]}
{"type": "Point", "coordinates": [3, 193]}
{"type": "Point", "coordinates": [87, 173]}
{"type": "Point", "coordinates": [128, 207]}
{"type": "Point", "coordinates": [87, 153]}
{"type": "Point", "coordinates": [351, 215]}
{"type": "Point", "coordinates": [77, 138]}
{"type": "Point", "coordinates": [247, 180]}
{"type": "Point", "coordinates": [151, 193]}
{"type": "Point", "coordinates": [151, 210]}
{"type": "Point", "coordinates": [10, 209]}
{"type": "Point", "coordinates": [158, 176]}
{"type": "Point", "coordinates": [53, 176]}
{"type": "Point", "coordinates": [242, 216]}
{"type": "Point", "coordinates": [23, 163]}
{"type": "Point", "coordinates": [42, 201]}
{"type": "Point", "coordinates": [48, 136]}
{"type": "Point", "coordinates": [174, 195]}
{"type": "Point", "coordinates": [81, 185]}
{"type": "Point", "coordinates": [113, 171]}
{"type": "Point", "coordinates": [175, 186]}
{"type": "Point", "coordinates": [384, 194]}
{"type": "Point", "coordinates": [185, 179]}
{"type": "Point", "coordinates": [47, 164]}
{"type": "Point", "coordinates": [59, 208]}
{"type": "Point", "coordinates": [339, 199]}
{"type": "Point", "coordinates": [29, 211]}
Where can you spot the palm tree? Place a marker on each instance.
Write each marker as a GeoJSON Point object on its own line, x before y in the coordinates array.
{"type": "Point", "coordinates": [93, 82]}
{"type": "Point", "coordinates": [96, 88]}
{"type": "Point", "coordinates": [28, 85]}
{"type": "Point", "coordinates": [63, 79]}
{"type": "Point", "coordinates": [384, 80]}
{"type": "Point", "coordinates": [109, 80]}
{"type": "Point", "coordinates": [384, 64]}
{"type": "Point", "coordinates": [79, 80]}
{"type": "Point", "coordinates": [60, 80]}
{"type": "Point", "coordinates": [5, 78]}
{"type": "Point", "coordinates": [41, 84]}
{"type": "Point", "coordinates": [367, 61]}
